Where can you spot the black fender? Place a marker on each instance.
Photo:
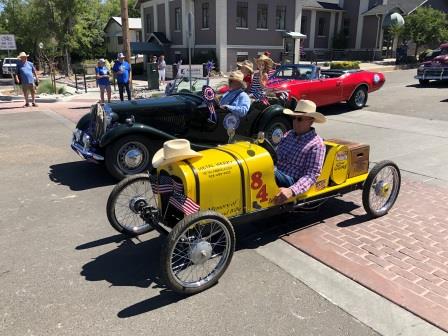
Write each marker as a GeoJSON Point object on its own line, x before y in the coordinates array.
{"type": "Point", "coordinates": [84, 122]}
{"type": "Point", "coordinates": [134, 129]}
{"type": "Point", "coordinates": [265, 116]}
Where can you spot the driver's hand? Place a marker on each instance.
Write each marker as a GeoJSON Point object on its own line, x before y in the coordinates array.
{"type": "Point", "coordinates": [283, 195]}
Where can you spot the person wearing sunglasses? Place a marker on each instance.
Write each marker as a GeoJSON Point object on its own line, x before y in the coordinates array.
{"type": "Point", "coordinates": [300, 153]}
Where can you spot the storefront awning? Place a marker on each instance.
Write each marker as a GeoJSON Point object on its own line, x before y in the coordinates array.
{"type": "Point", "coordinates": [145, 48]}
{"type": "Point", "coordinates": [294, 35]}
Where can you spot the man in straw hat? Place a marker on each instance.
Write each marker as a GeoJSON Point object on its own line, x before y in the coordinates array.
{"type": "Point", "coordinates": [236, 100]}
{"type": "Point", "coordinates": [300, 154]}
{"type": "Point", "coordinates": [27, 76]}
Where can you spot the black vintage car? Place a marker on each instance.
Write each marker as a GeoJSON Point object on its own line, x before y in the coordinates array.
{"type": "Point", "coordinates": [125, 135]}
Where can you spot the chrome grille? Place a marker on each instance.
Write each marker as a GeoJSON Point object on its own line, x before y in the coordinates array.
{"type": "Point", "coordinates": [97, 122]}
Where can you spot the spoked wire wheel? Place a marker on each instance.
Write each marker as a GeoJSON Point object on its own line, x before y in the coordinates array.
{"type": "Point", "coordinates": [197, 252]}
{"type": "Point", "coordinates": [381, 188]}
{"type": "Point", "coordinates": [126, 202]}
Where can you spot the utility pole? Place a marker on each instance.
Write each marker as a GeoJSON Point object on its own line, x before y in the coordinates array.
{"type": "Point", "coordinates": [126, 39]}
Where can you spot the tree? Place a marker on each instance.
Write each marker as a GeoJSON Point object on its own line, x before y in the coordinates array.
{"type": "Point", "coordinates": [425, 25]}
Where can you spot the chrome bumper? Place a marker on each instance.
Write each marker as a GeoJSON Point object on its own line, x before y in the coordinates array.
{"type": "Point", "coordinates": [433, 73]}
{"type": "Point", "coordinates": [85, 153]}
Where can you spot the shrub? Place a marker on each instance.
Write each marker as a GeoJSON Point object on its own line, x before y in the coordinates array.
{"type": "Point", "coordinates": [45, 86]}
{"type": "Point", "coordinates": [326, 64]}
{"type": "Point", "coordinates": [345, 65]}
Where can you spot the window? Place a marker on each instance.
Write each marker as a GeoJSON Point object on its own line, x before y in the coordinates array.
{"type": "Point", "coordinates": [303, 25]}
{"type": "Point", "coordinates": [177, 19]}
{"type": "Point", "coordinates": [321, 27]}
{"type": "Point", "coordinates": [139, 36]}
{"type": "Point", "coordinates": [107, 39]}
{"type": "Point", "coordinates": [241, 14]}
{"type": "Point", "coordinates": [205, 15]}
{"type": "Point", "coordinates": [346, 27]}
{"type": "Point", "coordinates": [120, 39]}
{"type": "Point", "coordinates": [280, 18]}
{"type": "Point", "coordinates": [241, 56]}
{"type": "Point", "coordinates": [262, 16]}
{"type": "Point", "coordinates": [148, 20]}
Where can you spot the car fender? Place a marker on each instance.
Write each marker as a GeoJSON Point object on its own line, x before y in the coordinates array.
{"type": "Point", "coordinates": [83, 123]}
{"type": "Point", "coordinates": [136, 128]}
{"type": "Point", "coordinates": [265, 116]}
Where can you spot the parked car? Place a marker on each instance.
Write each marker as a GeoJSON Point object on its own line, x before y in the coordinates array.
{"type": "Point", "coordinates": [325, 87]}
{"type": "Point", "coordinates": [125, 135]}
{"type": "Point", "coordinates": [9, 66]}
{"type": "Point", "coordinates": [195, 203]}
{"type": "Point", "coordinates": [436, 68]}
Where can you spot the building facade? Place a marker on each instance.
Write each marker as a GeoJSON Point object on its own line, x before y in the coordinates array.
{"type": "Point", "coordinates": [234, 30]}
{"type": "Point", "coordinates": [114, 33]}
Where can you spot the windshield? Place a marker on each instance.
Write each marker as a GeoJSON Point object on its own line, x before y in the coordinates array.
{"type": "Point", "coordinates": [294, 72]}
{"type": "Point", "coordinates": [183, 85]}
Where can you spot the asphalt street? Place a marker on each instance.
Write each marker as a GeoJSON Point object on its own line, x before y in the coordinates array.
{"type": "Point", "coordinates": [64, 271]}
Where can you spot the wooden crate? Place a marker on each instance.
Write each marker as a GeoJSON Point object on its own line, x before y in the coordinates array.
{"type": "Point", "coordinates": [359, 156]}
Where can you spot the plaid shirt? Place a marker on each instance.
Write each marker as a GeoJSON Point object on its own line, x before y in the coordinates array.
{"type": "Point", "coordinates": [301, 157]}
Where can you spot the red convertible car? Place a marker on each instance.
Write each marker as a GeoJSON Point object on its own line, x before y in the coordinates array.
{"type": "Point", "coordinates": [326, 87]}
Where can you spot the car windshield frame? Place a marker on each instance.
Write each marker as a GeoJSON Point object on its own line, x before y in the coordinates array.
{"type": "Point", "coordinates": [297, 72]}
{"type": "Point", "coordinates": [183, 83]}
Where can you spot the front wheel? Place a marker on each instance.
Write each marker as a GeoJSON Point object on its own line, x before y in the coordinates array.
{"type": "Point", "coordinates": [381, 188]}
{"type": "Point", "coordinates": [197, 252]}
{"type": "Point", "coordinates": [359, 98]}
{"type": "Point", "coordinates": [126, 202]}
{"type": "Point", "coordinates": [129, 155]}
{"type": "Point", "coordinates": [276, 128]}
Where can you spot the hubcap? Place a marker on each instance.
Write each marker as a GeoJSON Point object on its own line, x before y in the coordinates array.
{"type": "Point", "coordinates": [133, 158]}
{"type": "Point", "coordinates": [136, 204]}
{"type": "Point", "coordinates": [384, 189]}
{"type": "Point", "coordinates": [201, 252]}
{"type": "Point", "coordinates": [360, 97]}
{"type": "Point", "coordinates": [277, 135]}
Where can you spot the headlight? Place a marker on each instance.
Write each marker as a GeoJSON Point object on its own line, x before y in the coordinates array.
{"type": "Point", "coordinates": [86, 140]}
{"type": "Point", "coordinates": [77, 134]}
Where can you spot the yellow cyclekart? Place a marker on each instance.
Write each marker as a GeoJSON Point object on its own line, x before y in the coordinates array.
{"type": "Point", "coordinates": [230, 184]}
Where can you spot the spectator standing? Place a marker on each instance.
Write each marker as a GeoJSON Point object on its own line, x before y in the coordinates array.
{"type": "Point", "coordinates": [27, 76]}
{"type": "Point", "coordinates": [161, 66]}
{"type": "Point", "coordinates": [102, 79]}
{"type": "Point", "coordinates": [122, 71]}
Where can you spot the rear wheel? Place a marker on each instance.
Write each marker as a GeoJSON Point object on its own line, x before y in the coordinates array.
{"type": "Point", "coordinates": [276, 128]}
{"type": "Point", "coordinates": [381, 188]}
{"type": "Point", "coordinates": [197, 252]}
{"type": "Point", "coordinates": [129, 155]}
{"type": "Point", "coordinates": [423, 82]}
{"type": "Point", "coordinates": [359, 98]}
{"type": "Point", "coordinates": [125, 203]}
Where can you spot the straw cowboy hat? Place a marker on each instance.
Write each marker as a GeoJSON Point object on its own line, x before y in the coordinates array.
{"type": "Point", "coordinates": [173, 151]}
{"type": "Point", "coordinates": [22, 54]}
{"type": "Point", "coordinates": [306, 108]}
{"type": "Point", "coordinates": [265, 59]}
{"type": "Point", "coordinates": [247, 64]}
{"type": "Point", "coordinates": [237, 76]}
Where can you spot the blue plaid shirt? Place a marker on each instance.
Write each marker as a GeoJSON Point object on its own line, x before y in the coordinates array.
{"type": "Point", "coordinates": [301, 157]}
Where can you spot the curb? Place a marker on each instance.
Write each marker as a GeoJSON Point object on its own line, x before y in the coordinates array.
{"type": "Point", "coordinates": [21, 98]}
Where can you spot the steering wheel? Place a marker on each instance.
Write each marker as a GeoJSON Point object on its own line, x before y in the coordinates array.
{"type": "Point", "coordinates": [270, 148]}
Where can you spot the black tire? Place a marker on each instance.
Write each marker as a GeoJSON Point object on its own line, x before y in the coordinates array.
{"type": "Point", "coordinates": [381, 189]}
{"type": "Point", "coordinates": [117, 152]}
{"type": "Point", "coordinates": [131, 203]}
{"type": "Point", "coordinates": [359, 98]}
{"type": "Point", "coordinates": [194, 250]}
{"type": "Point", "coordinates": [423, 82]}
{"type": "Point", "coordinates": [276, 128]}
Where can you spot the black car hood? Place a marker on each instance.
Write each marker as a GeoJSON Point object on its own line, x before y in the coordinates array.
{"type": "Point", "coordinates": [133, 106]}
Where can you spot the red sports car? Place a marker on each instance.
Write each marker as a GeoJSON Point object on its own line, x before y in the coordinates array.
{"type": "Point", "coordinates": [326, 87]}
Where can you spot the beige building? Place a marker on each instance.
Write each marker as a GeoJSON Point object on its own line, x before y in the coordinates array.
{"type": "Point", "coordinates": [114, 34]}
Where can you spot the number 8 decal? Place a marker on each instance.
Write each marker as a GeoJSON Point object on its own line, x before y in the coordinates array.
{"type": "Point", "coordinates": [257, 183]}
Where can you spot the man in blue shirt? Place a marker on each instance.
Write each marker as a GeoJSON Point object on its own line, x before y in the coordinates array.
{"type": "Point", "coordinates": [236, 100]}
{"type": "Point", "coordinates": [27, 76]}
{"type": "Point", "coordinates": [102, 79]}
{"type": "Point", "coordinates": [122, 70]}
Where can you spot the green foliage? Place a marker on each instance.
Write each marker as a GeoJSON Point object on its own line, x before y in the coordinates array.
{"type": "Point", "coordinates": [326, 64]}
{"type": "Point", "coordinates": [425, 25]}
{"type": "Point", "coordinates": [45, 86]}
{"type": "Point", "coordinates": [345, 65]}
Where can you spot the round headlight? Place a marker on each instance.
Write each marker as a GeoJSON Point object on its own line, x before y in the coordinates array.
{"type": "Point", "coordinates": [86, 139]}
{"type": "Point", "coordinates": [376, 78]}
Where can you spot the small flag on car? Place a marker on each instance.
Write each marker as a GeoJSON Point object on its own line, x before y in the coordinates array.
{"type": "Point", "coordinates": [183, 203]}
{"type": "Point", "coordinates": [208, 94]}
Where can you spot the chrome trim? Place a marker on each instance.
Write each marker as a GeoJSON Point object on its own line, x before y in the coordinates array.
{"type": "Point", "coordinates": [85, 153]}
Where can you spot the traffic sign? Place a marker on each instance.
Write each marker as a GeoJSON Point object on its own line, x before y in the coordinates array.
{"type": "Point", "coordinates": [7, 42]}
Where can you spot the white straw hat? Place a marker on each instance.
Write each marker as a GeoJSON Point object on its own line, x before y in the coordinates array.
{"type": "Point", "coordinates": [306, 108]}
{"type": "Point", "coordinates": [172, 151]}
{"type": "Point", "coordinates": [22, 54]}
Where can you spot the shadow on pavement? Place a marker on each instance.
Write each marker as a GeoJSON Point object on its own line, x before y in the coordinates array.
{"type": "Point", "coordinates": [80, 108]}
{"type": "Point", "coordinates": [80, 175]}
{"type": "Point", "coordinates": [336, 109]}
{"type": "Point", "coordinates": [137, 264]}
{"type": "Point", "coordinates": [444, 101]}
{"type": "Point", "coordinates": [430, 85]}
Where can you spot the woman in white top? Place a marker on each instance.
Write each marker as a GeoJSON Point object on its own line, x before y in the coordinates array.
{"type": "Point", "coordinates": [161, 67]}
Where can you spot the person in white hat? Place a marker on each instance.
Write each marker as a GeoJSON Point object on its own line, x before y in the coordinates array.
{"type": "Point", "coordinates": [236, 100]}
{"type": "Point", "coordinates": [27, 76]}
{"type": "Point", "coordinates": [300, 153]}
{"type": "Point", "coordinates": [173, 151]}
{"type": "Point", "coordinates": [122, 71]}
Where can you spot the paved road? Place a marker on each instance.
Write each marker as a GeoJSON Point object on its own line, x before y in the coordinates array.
{"type": "Point", "coordinates": [64, 271]}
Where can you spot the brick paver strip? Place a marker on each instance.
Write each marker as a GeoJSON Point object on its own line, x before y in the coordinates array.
{"type": "Point", "coordinates": [402, 256]}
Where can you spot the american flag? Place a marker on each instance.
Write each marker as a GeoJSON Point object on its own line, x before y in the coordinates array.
{"type": "Point", "coordinates": [260, 96]}
{"type": "Point", "coordinates": [165, 184]}
{"type": "Point", "coordinates": [183, 203]}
